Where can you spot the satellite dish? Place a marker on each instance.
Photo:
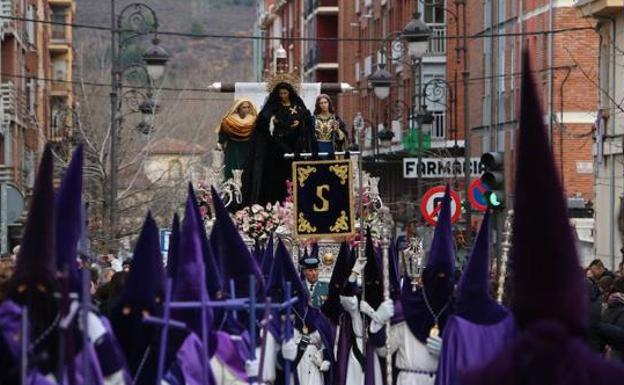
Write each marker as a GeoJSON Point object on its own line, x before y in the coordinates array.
{"type": "Point", "coordinates": [15, 204]}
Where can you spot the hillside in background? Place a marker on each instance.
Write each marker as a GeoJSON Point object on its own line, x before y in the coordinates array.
{"type": "Point", "coordinates": [196, 62]}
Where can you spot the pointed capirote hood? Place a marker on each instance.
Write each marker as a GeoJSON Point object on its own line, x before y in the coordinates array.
{"type": "Point", "coordinates": [549, 298]}
{"type": "Point", "coordinates": [438, 280]}
{"type": "Point", "coordinates": [214, 279]}
{"type": "Point", "coordinates": [189, 284]}
{"type": "Point", "coordinates": [144, 287]}
{"type": "Point", "coordinates": [267, 259]}
{"type": "Point", "coordinates": [236, 261]}
{"type": "Point", "coordinates": [282, 271]}
{"type": "Point", "coordinates": [173, 253]}
{"type": "Point", "coordinates": [258, 252]}
{"type": "Point", "coordinates": [474, 301]}
{"type": "Point", "coordinates": [442, 252]}
{"type": "Point", "coordinates": [542, 238]}
{"type": "Point", "coordinates": [69, 223]}
{"type": "Point", "coordinates": [342, 268]}
{"type": "Point", "coordinates": [36, 264]}
{"type": "Point", "coordinates": [373, 274]}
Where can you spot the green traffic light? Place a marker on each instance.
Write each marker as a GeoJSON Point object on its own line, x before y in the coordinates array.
{"type": "Point", "coordinates": [494, 201]}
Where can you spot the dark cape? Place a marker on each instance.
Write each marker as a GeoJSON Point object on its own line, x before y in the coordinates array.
{"type": "Point", "coordinates": [266, 171]}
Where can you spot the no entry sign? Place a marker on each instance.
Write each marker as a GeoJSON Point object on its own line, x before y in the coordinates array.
{"type": "Point", "coordinates": [476, 196]}
{"type": "Point", "coordinates": [431, 204]}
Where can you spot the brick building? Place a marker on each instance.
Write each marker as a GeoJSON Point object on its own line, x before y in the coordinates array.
{"type": "Point", "coordinates": [565, 65]}
{"type": "Point", "coordinates": [286, 22]}
{"type": "Point", "coordinates": [32, 54]}
{"type": "Point", "coordinates": [608, 153]}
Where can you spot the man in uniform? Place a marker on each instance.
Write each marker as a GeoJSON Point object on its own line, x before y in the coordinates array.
{"type": "Point", "coordinates": [317, 290]}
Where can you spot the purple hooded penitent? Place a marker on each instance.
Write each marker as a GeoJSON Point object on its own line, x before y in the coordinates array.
{"type": "Point", "coordinates": [173, 254]}
{"type": "Point", "coordinates": [36, 263]}
{"type": "Point", "coordinates": [234, 258]}
{"type": "Point", "coordinates": [69, 220]}
{"type": "Point", "coordinates": [549, 297]}
{"type": "Point", "coordinates": [344, 263]}
{"type": "Point", "coordinates": [480, 327]}
{"type": "Point", "coordinates": [267, 259]}
{"type": "Point", "coordinates": [474, 302]}
{"type": "Point", "coordinates": [189, 284]}
{"type": "Point", "coordinates": [437, 280]}
{"type": "Point", "coordinates": [214, 279]}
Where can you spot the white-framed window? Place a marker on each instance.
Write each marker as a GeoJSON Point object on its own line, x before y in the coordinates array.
{"type": "Point", "coordinates": [30, 25]}
{"type": "Point", "coordinates": [368, 65]}
{"type": "Point", "coordinates": [357, 71]}
{"type": "Point", "coordinates": [357, 6]}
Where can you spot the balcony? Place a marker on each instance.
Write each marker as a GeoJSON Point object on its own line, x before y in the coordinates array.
{"type": "Point", "coordinates": [599, 7]}
{"type": "Point", "coordinates": [323, 55]}
{"type": "Point", "coordinates": [437, 43]}
{"type": "Point", "coordinates": [13, 103]}
{"type": "Point", "coordinates": [7, 174]}
{"type": "Point", "coordinates": [61, 3]}
{"type": "Point", "coordinates": [12, 9]}
{"type": "Point", "coordinates": [324, 7]}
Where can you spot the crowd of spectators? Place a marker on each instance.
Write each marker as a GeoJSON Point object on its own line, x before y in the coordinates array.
{"type": "Point", "coordinates": [606, 309]}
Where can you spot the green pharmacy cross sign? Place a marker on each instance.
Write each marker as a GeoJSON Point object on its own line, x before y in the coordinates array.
{"type": "Point", "coordinates": [411, 142]}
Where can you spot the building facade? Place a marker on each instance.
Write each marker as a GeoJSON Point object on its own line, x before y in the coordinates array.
{"type": "Point", "coordinates": [563, 49]}
{"type": "Point", "coordinates": [31, 74]}
{"type": "Point", "coordinates": [609, 181]}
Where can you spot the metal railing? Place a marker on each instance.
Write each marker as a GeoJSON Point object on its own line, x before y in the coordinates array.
{"type": "Point", "coordinates": [437, 43]}
{"type": "Point", "coordinates": [13, 103]}
{"type": "Point", "coordinates": [12, 9]}
{"type": "Point", "coordinates": [438, 129]}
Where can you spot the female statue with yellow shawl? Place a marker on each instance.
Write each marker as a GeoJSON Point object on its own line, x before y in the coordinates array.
{"type": "Point", "coordinates": [234, 133]}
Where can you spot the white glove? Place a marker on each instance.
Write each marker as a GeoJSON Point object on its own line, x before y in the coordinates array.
{"type": "Point", "coordinates": [385, 312]}
{"type": "Point", "coordinates": [367, 309]}
{"type": "Point", "coordinates": [252, 367]}
{"type": "Point", "coordinates": [320, 362]}
{"type": "Point", "coordinates": [349, 304]}
{"type": "Point", "coordinates": [358, 267]}
{"type": "Point", "coordinates": [324, 366]}
{"type": "Point", "coordinates": [434, 345]}
{"type": "Point", "coordinates": [289, 350]}
{"type": "Point", "coordinates": [315, 339]}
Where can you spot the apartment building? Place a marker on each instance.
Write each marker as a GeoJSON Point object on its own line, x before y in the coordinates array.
{"type": "Point", "coordinates": [608, 153]}
{"type": "Point", "coordinates": [36, 58]}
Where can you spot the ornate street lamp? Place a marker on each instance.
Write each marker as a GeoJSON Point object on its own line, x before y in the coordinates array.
{"type": "Point", "coordinates": [385, 137]}
{"type": "Point", "coordinates": [381, 80]}
{"type": "Point", "coordinates": [155, 59]}
{"type": "Point", "coordinates": [416, 34]}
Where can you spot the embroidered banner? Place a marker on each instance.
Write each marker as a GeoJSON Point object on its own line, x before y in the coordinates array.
{"type": "Point", "coordinates": [323, 197]}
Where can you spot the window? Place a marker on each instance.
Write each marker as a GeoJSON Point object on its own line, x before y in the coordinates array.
{"type": "Point", "coordinates": [31, 87]}
{"type": "Point", "coordinates": [357, 71]}
{"type": "Point", "coordinates": [30, 25]}
{"type": "Point", "coordinates": [58, 16]}
{"type": "Point", "coordinates": [434, 12]}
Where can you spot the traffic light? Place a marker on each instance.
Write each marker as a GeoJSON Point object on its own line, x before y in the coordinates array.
{"type": "Point", "coordinates": [494, 179]}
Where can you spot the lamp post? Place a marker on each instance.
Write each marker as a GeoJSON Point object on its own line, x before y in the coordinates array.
{"type": "Point", "coordinates": [416, 36]}
{"type": "Point", "coordinates": [135, 20]}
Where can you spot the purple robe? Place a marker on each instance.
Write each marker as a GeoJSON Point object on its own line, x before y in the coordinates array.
{"type": "Point", "coordinates": [467, 345]}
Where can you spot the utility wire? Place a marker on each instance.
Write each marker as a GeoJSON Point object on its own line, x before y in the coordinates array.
{"type": "Point", "coordinates": [194, 89]}
{"type": "Point", "coordinates": [251, 37]}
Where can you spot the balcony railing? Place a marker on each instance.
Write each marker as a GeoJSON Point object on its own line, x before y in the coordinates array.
{"type": "Point", "coordinates": [324, 52]}
{"type": "Point", "coordinates": [437, 43]}
{"type": "Point", "coordinates": [59, 33]}
{"type": "Point", "coordinates": [12, 10]}
{"type": "Point", "coordinates": [13, 103]}
{"type": "Point", "coordinates": [311, 5]}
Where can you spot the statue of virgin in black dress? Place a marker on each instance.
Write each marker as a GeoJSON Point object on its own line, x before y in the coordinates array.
{"type": "Point", "coordinates": [283, 126]}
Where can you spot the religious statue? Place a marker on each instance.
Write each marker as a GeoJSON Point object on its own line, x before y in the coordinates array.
{"type": "Point", "coordinates": [234, 134]}
{"type": "Point", "coordinates": [330, 130]}
{"type": "Point", "coordinates": [284, 126]}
